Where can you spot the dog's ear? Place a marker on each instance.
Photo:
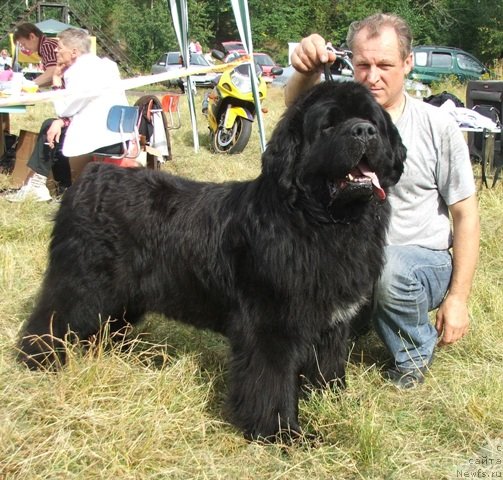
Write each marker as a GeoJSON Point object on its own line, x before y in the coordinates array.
{"type": "Point", "coordinates": [283, 150]}
{"type": "Point", "coordinates": [398, 154]}
{"type": "Point", "coordinates": [300, 125]}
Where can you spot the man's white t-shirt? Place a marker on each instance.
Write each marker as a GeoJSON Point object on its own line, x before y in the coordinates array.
{"type": "Point", "coordinates": [437, 173]}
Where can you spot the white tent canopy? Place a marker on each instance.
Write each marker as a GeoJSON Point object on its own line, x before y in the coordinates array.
{"type": "Point", "coordinates": [53, 27]}
{"type": "Point", "coordinates": [179, 15]}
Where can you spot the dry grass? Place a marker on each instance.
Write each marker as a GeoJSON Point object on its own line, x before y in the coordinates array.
{"type": "Point", "coordinates": [154, 409]}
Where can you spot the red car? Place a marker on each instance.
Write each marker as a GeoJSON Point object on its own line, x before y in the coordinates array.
{"type": "Point", "coordinates": [266, 64]}
{"type": "Point", "coordinates": [233, 46]}
{"type": "Point", "coordinates": [232, 49]}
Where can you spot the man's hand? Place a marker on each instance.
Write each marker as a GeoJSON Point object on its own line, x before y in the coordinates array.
{"type": "Point", "coordinates": [45, 78]}
{"type": "Point", "coordinates": [307, 59]}
{"type": "Point", "coordinates": [452, 320]}
{"type": "Point", "coordinates": [310, 54]}
{"type": "Point", "coordinates": [54, 132]}
{"type": "Point", "coordinates": [57, 76]}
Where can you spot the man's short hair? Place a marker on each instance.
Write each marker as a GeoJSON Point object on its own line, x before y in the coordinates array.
{"type": "Point", "coordinates": [76, 38]}
{"type": "Point", "coordinates": [25, 29]}
{"type": "Point", "coordinates": [375, 23]}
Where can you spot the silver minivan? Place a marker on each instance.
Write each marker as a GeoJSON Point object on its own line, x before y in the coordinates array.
{"type": "Point", "coordinates": [170, 61]}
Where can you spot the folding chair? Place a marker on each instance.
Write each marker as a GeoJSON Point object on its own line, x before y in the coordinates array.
{"type": "Point", "coordinates": [169, 104]}
{"type": "Point", "coordinates": [123, 119]}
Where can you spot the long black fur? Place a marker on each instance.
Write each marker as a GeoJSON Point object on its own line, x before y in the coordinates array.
{"type": "Point", "coordinates": [279, 264]}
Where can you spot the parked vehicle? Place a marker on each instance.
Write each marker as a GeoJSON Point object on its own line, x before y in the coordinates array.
{"type": "Point", "coordinates": [432, 63]}
{"type": "Point", "coordinates": [263, 60]}
{"type": "Point", "coordinates": [342, 69]}
{"type": "Point", "coordinates": [232, 46]}
{"type": "Point", "coordinates": [170, 61]}
{"type": "Point", "coordinates": [231, 49]}
{"type": "Point", "coordinates": [281, 80]}
{"type": "Point", "coordinates": [267, 64]}
{"type": "Point", "coordinates": [230, 107]}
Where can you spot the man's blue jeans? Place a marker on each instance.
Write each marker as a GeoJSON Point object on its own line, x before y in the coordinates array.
{"type": "Point", "coordinates": [414, 281]}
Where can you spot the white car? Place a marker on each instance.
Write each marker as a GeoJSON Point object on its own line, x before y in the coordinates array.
{"type": "Point", "coordinates": [170, 61]}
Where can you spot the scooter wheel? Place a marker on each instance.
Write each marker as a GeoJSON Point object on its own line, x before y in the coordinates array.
{"type": "Point", "coordinates": [232, 140]}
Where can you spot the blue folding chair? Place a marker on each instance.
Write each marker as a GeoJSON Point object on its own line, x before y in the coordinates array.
{"type": "Point", "coordinates": [123, 119]}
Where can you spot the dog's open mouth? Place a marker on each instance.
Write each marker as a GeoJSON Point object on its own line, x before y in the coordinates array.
{"type": "Point", "coordinates": [361, 179]}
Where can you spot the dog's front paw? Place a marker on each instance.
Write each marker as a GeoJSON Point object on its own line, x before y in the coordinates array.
{"type": "Point", "coordinates": [286, 436]}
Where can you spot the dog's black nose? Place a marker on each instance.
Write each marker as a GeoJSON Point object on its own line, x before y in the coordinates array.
{"type": "Point", "coordinates": [364, 131]}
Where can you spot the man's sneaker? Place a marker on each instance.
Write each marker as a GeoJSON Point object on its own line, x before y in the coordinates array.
{"type": "Point", "coordinates": [405, 379]}
{"type": "Point", "coordinates": [34, 189]}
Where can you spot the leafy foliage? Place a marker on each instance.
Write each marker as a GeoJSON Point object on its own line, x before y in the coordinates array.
{"type": "Point", "coordinates": [142, 29]}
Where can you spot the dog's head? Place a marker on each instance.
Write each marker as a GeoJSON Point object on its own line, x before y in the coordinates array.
{"type": "Point", "coordinates": [335, 146]}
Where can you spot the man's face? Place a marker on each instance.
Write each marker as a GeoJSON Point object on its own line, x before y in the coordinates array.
{"type": "Point", "coordinates": [29, 43]}
{"type": "Point", "coordinates": [379, 65]}
{"type": "Point", "coordinates": [65, 56]}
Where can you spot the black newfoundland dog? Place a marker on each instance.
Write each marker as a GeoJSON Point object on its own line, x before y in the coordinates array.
{"type": "Point", "coordinates": [280, 264]}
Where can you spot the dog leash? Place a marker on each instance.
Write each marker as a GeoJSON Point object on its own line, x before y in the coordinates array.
{"type": "Point", "coordinates": [326, 66]}
{"type": "Point", "coordinates": [339, 53]}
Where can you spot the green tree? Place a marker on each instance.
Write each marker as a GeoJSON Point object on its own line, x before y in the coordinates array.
{"type": "Point", "coordinates": [143, 29]}
{"type": "Point", "coordinates": [478, 28]}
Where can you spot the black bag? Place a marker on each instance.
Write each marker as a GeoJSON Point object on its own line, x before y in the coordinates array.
{"type": "Point", "coordinates": [488, 111]}
{"type": "Point", "coordinates": [440, 98]}
{"type": "Point", "coordinates": [8, 159]}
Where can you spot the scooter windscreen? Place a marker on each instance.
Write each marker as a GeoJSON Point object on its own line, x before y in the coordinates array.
{"type": "Point", "coordinates": [241, 77]}
{"type": "Point", "coordinates": [243, 69]}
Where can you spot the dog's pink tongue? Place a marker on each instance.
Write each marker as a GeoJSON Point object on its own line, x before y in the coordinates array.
{"type": "Point", "coordinates": [364, 169]}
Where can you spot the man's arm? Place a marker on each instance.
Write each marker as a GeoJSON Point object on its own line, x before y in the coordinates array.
{"type": "Point", "coordinates": [299, 83]}
{"type": "Point", "coordinates": [452, 316]}
{"type": "Point", "coordinates": [79, 80]}
{"type": "Point", "coordinates": [307, 59]}
{"type": "Point", "coordinates": [45, 78]}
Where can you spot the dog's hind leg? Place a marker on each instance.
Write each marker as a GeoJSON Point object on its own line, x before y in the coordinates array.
{"type": "Point", "coordinates": [65, 312]}
{"type": "Point", "coordinates": [45, 335]}
{"type": "Point", "coordinates": [327, 359]}
{"type": "Point", "coordinates": [264, 387]}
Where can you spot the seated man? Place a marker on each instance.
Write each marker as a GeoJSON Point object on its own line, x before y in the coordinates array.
{"type": "Point", "coordinates": [82, 119]}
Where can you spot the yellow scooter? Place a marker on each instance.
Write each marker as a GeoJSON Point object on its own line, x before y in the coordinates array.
{"type": "Point", "coordinates": [230, 108]}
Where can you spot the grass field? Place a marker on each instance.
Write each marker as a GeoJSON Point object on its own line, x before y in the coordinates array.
{"type": "Point", "coordinates": [153, 409]}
